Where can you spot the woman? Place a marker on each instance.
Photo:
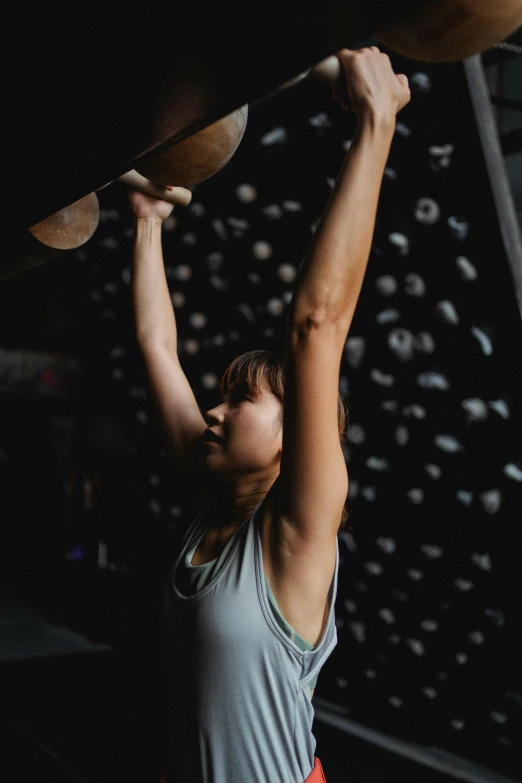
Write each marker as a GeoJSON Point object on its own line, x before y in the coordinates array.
{"type": "Point", "coordinates": [249, 603]}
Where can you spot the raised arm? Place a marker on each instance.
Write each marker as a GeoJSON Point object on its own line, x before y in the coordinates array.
{"type": "Point", "coordinates": [313, 480]}
{"type": "Point", "coordinates": [180, 417]}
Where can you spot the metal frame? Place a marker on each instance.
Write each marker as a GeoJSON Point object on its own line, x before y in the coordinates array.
{"type": "Point", "coordinates": [491, 145]}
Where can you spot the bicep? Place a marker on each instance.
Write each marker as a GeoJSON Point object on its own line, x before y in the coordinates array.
{"type": "Point", "coordinates": [314, 478]}
{"type": "Point", "coordinates": [180, 418]}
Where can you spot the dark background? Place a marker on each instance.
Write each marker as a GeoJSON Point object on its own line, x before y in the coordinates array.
{"type": "Point", "coordinates": [428, 607]}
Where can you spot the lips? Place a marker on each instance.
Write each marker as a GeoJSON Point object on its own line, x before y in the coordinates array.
{"type": "Point", "coordinates": [208, 435]}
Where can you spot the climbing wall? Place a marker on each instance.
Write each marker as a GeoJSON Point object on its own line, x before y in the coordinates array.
{"type": "Point", "coordinates": [428, 606]}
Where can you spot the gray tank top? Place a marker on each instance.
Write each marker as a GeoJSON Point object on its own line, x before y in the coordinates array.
{"type": "Point", "coordinates": [238, 683]}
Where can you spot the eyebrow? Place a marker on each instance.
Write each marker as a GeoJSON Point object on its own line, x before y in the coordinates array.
{"type": "Point", "coordinates": [243, 386]}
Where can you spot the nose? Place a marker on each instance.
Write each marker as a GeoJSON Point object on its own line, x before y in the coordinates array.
{"type": "Point", "coordinates": [214, 415]}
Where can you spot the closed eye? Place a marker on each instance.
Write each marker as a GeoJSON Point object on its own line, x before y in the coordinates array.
{"type": "Point", "coordinates": [236, 394]}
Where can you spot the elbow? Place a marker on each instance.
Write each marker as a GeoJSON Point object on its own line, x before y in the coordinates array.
{"type": "Point", "coordinates": [315, 331]}
{"type": "Point", "coordinates": [305, 315]}
{"type": "Point", "coordinates": [150, 342]}
{"type": "Point", "coordinates": [304, 321]}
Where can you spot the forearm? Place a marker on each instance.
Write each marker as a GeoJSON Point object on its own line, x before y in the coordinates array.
{"type": "Point", "coordinates": [154, 313]}
{"type": "Point", "coordinates": [330, 277]}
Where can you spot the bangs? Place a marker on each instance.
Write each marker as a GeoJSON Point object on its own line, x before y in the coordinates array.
{"type": "Point", "coordinates": [259, 370]}
{"type": "Point", "coordinates": [256, 369]}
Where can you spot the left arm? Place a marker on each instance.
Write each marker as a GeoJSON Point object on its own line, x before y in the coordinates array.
{"type": "Point", "coordinates": [313, 479]}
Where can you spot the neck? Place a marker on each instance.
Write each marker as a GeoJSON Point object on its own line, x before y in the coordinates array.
{"type": "Point", "coordinates": [238, 501]}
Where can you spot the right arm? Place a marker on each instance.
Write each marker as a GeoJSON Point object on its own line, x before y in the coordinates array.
{"type": "Point", "coordinates": [181, 420]}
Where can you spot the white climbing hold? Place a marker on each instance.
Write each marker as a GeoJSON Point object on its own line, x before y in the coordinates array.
{"type": "Point", "coordinates": [382, 378]}
{"type": "Point", "coordinates": [415, 496]}
{"type": "Point", "coordinates": [287, 273]}
{"type": "Point", "coordinates": [447, 312]}
{"type": "Point", "coordinates": [198, 320]}
{"type": "Point", "coordinates": [401, 242]}
{"type": "Point", "coordinates": [432, 551]}
{"type": "Point", "coordinates": [459, 227]}
{"type": "Point", "coordinates": [429, 625]}
{"type": "Point", "coordinates": [402, 130]}
{"type": "Point", "coordinates": [369, 494]}
{"type": "Point", "coordinates": [387, 545]}
{"type": "Point", "coordinates": [354, 350]}
{"type": "Point", "coordinates": [416, 646]}
{"type": "Point", "coordinates": [220, 229]}
{"type": "Point", "coordinates": [476, 409]}
{"type": "Point", "coordinates": [424, 342]}
{"type": "Point", "coordinates": [432, 470]}
{"type": "Point", "coordinates": [484, 341]}
{"type": "Point", "coordinates": [402, 435]}
{"type": "Point", "coordinates": [491, 500]}
{"type": "Point", "coordinates": [320, 120]}
{"type": "Point", "coordinates": [275, 136]}
{"type": "Point", "coordinates": [387, 615]}
{"type": "Point", "coordinates": [196, 209]}
{"type": "Point", "coordinates": [272, 211]}
{"type": "Point", "coordinates": [512, 471]}
{"type": "Point", "coordinates": [440, 157]}
{"type": "Point", "coordinates": [356, 434]}
{"type": "Point", "coordinates": [467, 270]}
{"type": "Point", "coordinates": [482, 560]}
{"type": "Point", "coordinates": [275, 306]}
{"type": "Point", "coordinates": [433, 380]}
{"type": "Point", "coordinates": [246, 193]}
{"type": "Point", "coordinates": [386, 285]}
{"type": "Point", "coordinates": [182, 272]}
{"type": "Point", "coordinates": [377, 463]}
{"type": "Point", "coordinates": [358, 630]}
{"type": "Point", "coordinates": [191, 347]}
{"type": "Point", "coordinates": [457, 724]}
{"type": "Point", "coordinates": [464, 496]}
{"type": "Point", "coordinates": [464, 585]}
{"type": "Point", "coordinates": [427, 211]}
{"type": "Point", "coordinates": [448, 443]}
{"type": "Point", "coordinates": [414, 285]}
{"type": "Point", "coordinates": [420, 82]}
{"type": "Point", "coordinates": [209, 380]}
{"type": "Point", "coordinates": [261, 250]}
{"type": "Point", "coordinates": [401, 342]}
{"type": "Point", "coordinates": [416, 411]}
{"type": "Point", "coordinates": [374, 568]}
{"type": "Point", "coordinates": [500, 407]}
{"type": "Point", "coordinates": [387, 316]}
{"type": "Point", "coordinates": [292, 206]}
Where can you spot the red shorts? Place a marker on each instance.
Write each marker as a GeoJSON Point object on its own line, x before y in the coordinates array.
{"type": "Point", "coordinates": [315, 776]}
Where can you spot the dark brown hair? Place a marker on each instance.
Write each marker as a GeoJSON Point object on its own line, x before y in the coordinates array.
{"type": "Point", "coordinates": [260, 369]}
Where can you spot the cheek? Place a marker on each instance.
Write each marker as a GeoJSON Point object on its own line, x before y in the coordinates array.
{"type": "Point", "coordinates": [248, 430]}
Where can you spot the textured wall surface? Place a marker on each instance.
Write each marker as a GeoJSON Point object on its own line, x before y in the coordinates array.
{"type": "Point", "coordinates": [429, 596]}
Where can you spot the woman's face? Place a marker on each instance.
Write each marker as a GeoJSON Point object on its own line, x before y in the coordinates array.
{"type": "Point", "coordinates": [252, 438]}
